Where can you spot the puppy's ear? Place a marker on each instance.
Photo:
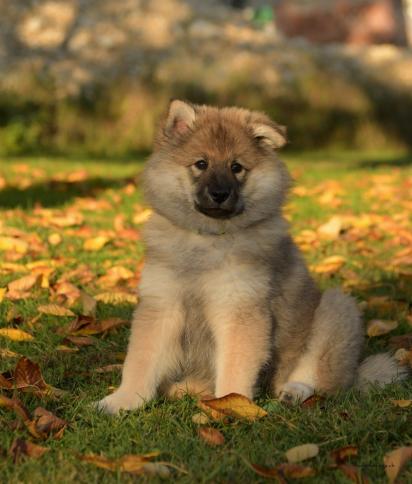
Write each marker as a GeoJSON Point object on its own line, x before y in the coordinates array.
{"type": "Point", "coordinates": [270, 134]}
{"type": "Point", "coordinates": [180, 118]}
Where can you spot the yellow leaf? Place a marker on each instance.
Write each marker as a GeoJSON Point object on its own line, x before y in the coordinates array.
{"type": "Point", "coordinates": [95, 243]}
{"type": "Point", "coordinates": [232, 405]}
{"type": "Point", "coordinates": [13, 244]}
{"type": "Point", "coordinates": [142, 217]}
{"type": "Point", "coordinates": [55, 310]}
{"type": "Point", "coordinates": [302, 452]}
{"type": "Point", "coordinates": [15, 334]}
{"type": "Point", "coordinates": [402, 403]}
{"type": "Point", "coordinates": [116, 297]}
{"type": "Point", "coordinates": [2, 293]}
{"type": "Point", "coordinates": [331, 229]}
{"type": "Point", "coordinates": [378, 327]}
{"type": "Point", "coordinates": [395, 460]}
{"type": "Point", "coordinates": [330, 265]}
{"type": "Point", "coordinates": [200, 418]}
{"type": "Point", "coordinates": [54, 239]}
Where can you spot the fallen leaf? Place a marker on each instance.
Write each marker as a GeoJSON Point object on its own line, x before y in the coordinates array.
{"type": "Point", "coordinates": [88, 304]}
{"type": "Point", "coordinates": [332, 228]}
{"type": "Point", "coordinates": [3, 291]}
{"type": "Point", "coordinates": [13, 244]}
{"type": "Point", "coordinates": [200, 418]}
{"type": "Point", "coordinates": [23, 448]}
{"type": "Point", "coordinates": [24, 283]}
{"type": "Point", "coordinates": [402, 403]}
{"type": "Point", "coordinates": [15, 334]}
{"type": "Point", "coordinates": [302, 452]}
{"type": "Point", "coordinates": [54, 239]}
{"type": "Point", "coordinates": [378, 327]}
{"type": "Point", "coordinates": [211, 436]}
{"type": "Point", "coordinates": [353, 473]}
{"type": "Point", "coordinates": [80, 340]}
{"type": "Point", "coordinates": [142, 216]}
{"type": "Point", "coordinates": [402, 341]}
{"type": "Point", "coordinates": [55, 310]}
{"type": "Point", "coordinates": [69, 291]}
{"type": "Point", "coordinates": [341, 455]}
{"type": "Point", "coordinates": [132, 463]}
{"type": "Point", "coordinates": [330, 265]}
{"type": "Point", "coordinates": [95, 243]}
{"type": "Point", "coordinates": [395, 460]}
{"type": "Point", "coordinates": [15, 405]}
{"type": "Point", "coordinates": [232, 405]}
{"type": "Point", "coordinates": [87, 325]}
{"type": "Point", "coordinates": [116, 297]}
{"type": "Point", "coordinates": [296, 471]}
{"type": "Point", "coordinates": [313, 401]}
{"type": "Point", "coordinates": [48, 424]}
{"type": "Point", "coordinates": [269, 473]}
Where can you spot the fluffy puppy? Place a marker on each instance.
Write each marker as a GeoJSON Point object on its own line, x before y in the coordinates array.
{"type": "Point", "coordinates": [226, 301]}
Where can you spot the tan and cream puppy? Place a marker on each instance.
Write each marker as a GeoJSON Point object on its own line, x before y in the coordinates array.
{"type": "Point", "coordinates": [226, 301]}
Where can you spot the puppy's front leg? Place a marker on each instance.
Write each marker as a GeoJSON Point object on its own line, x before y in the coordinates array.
{"type": "Point", "coordinates": [153, 350]}
{"type": "Point", "coordinates": [242, 348]}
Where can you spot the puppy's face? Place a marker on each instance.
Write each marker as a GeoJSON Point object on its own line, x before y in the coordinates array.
{"type": "Point", "coordinates": [216, 169]}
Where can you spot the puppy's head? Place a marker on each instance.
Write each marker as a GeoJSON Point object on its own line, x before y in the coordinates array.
{"type": "Point", "coordinates": [216, 170]}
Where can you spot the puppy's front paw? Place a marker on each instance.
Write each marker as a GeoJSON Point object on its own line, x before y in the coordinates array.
{"type": "Point", "coordinates": [294, 392]}
{"type": "Point", "coordinates": [119, 400]}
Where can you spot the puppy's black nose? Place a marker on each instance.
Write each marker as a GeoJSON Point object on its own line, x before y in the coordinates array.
{"type": "Point", "coordinates": [219, 195]}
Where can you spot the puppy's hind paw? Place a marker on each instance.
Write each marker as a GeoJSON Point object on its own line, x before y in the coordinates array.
{"type": "Point", "coordinates": [294, 392]}
{"type": "Point", "coordinates": [112, 404]}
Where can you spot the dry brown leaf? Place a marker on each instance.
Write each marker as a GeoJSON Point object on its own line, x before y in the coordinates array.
{"type": "Point", "coordinates": [28, 378]}
{"type": "Point", "coordinates": [269, 473]}
{"type": "Point", "coordinates": [301, 452]}
{"type": "Point", "coordinates": [16, 406]}
{"type": "Point", "coordinates": [395, 460]}
{"type": "Point", "coordinates": [379, 327]}
{"type": "Point", "coordinates": [232, 405]}
{"type": "Point", "coordinates": [24, 283]}
{"type": "Point", "coordinates": [117, 297]}
{"type": "Point", "coordinates": [402, 341]}
{"type": "Point", "coordinates": [296, 471]}
{"type": "Point", "coordinates": [329, 265]}
{"type": "Point", "coordinates": [353, 473]}
{"type": "Point", "coordinates": [23, 448]}
{"type": "Point", "coordinates": [402, 403]}
{"type": "Point", "coordinates": [55, 310]}
{"type": "Point", "coordinates": [341, 455]}
{"type": "Point", "coordinates": [96, 243]}
{"type": "Point", "coordinates": [15, 334]}
{"type": "Point", "coordinates": [313, 401]}
{"type": "Point", "coordinates": [211, 436]}
{"type": "Point", "coordinates": [87, 325]}
{"type": "Point", "coordinates": [48, 424]}
{"type": "Point", "coordinates": [80, 340]}
{"type": "Point", "coordinates": [6, 381]}
{"type": "Point", "coordinates": [69, 291]}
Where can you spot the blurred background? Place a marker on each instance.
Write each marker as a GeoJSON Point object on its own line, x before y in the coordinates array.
{"type": "Point", "coordinates": [92, 76]}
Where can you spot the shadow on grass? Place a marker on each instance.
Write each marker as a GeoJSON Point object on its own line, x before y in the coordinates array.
{"type": "Point", "coordinates": [53, 193]}
{"type": "Point", "coordinates": [394, 161]}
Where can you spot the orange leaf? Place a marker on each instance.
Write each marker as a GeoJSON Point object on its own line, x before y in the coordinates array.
{"type": "Point", "coordinates": [211, 436]}
{"type": "Point", "coordinates": [395, 460]}
{"type": "Point", "coordinates": [378, 327]}
{"type": "Point", "coordinates": [23, 448]}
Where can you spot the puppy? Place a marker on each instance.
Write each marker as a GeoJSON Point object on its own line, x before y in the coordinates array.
{"type": "Point", "coordinates": [226, 301]}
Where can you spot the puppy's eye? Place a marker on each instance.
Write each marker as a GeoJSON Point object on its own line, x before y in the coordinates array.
{"type": "Point", "coordinates": [201, 165]}
{"type": "Point", "coordinates": [236, 167]}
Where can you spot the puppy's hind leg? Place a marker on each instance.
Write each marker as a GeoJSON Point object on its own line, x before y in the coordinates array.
{"type": "Point", "coordinates": [332, 354]}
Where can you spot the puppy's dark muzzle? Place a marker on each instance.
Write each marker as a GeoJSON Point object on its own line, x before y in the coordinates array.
{"type": "Point", "coordinates": [218, 202]}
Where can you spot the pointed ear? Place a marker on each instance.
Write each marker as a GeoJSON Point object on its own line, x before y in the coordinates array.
{"type": "Point", "coordinates": [180, 118]}
{"type": "Point", "coordinates": [271, 135]}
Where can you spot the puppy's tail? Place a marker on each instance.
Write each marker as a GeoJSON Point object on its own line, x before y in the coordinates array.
{"type": "Point", "coordinates": [380, 370]}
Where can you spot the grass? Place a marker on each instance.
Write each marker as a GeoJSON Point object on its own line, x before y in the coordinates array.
{"type": "Point", "coordinates": [375, 184]}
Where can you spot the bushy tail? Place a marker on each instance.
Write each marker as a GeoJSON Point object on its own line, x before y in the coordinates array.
{"type": "Point", "coordinates": [380, 370]}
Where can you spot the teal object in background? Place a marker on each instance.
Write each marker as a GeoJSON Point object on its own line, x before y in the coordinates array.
{"type": "Point", "coordinates": [263, 15]}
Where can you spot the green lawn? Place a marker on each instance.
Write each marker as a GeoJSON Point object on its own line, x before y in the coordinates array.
{"type": "Point", "coordinates": [82, 199]}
